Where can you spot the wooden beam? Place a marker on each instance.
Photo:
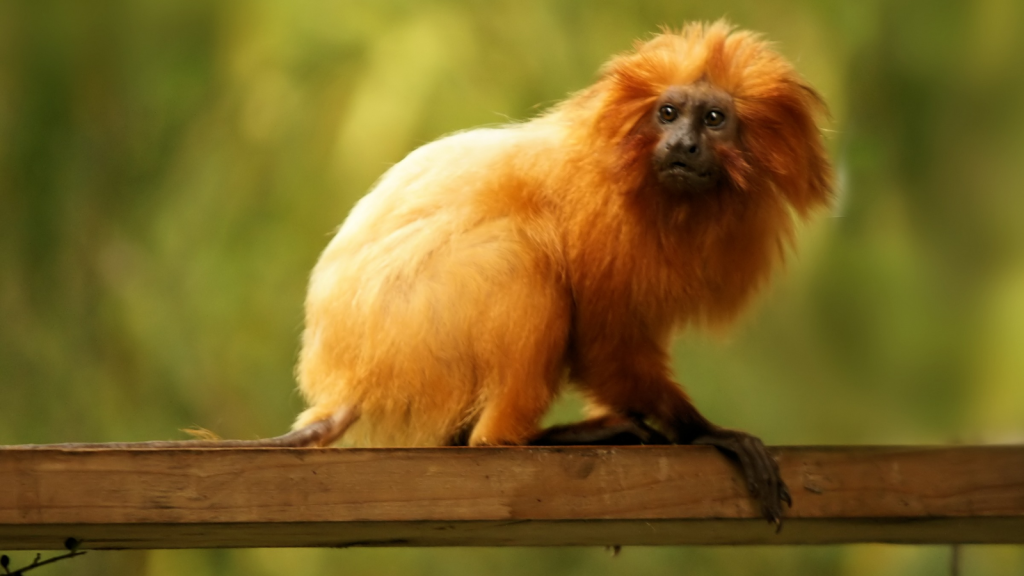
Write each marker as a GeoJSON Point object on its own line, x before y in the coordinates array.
{"type": "Point", "coordinates": [645, 495]}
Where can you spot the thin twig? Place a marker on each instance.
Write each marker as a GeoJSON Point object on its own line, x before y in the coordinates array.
{"type": "Point", "coordinates": [71, 544]}
{"type": "Point", "coordinates": [36, 563]}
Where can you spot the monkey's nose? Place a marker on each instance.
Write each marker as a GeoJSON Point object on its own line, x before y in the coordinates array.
{"type": "Point", "coordinates": [688, 146]}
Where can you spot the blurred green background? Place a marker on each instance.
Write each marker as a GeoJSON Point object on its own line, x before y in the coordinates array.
{"type": "Point", "coordinates": [170, 169]}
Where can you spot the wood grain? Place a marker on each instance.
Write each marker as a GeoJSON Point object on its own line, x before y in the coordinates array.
{"type": "Point", "coordinates": [656, 495]}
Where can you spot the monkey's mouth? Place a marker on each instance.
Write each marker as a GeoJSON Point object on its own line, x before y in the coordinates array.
{"type": "Point", "coordinates": [678, 174]}
{"type": "Point", "coordinates": [687, 170]}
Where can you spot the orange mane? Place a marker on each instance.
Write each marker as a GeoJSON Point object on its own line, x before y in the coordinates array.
{"type": "Point", "coordinates": [776, 107]}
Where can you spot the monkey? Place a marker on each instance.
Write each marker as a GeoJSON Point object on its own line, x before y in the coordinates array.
{"type": "Point", "coordinates": [490, 269]}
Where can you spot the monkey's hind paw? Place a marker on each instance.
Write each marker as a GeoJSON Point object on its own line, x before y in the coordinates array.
{"type": "Point", "coordinates": [759, 469]}
{"type": "Point", "coordinates": [602, 431]}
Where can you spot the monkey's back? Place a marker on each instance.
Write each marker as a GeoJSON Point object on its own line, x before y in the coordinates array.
{"type": "Point", "coordinates": [433, 291]}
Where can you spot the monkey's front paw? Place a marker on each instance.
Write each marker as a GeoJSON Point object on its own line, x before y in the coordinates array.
{"type": "Point", "coordinates": [759, 468]}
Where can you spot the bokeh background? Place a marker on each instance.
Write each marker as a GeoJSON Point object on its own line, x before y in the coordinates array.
{"type": "Point", "coordinates": [170, 170]}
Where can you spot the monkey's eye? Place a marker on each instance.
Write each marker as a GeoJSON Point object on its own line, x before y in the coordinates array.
{"type": "Point", "coordinates": [668, 113]}
{"type": "Point", "coordinates": [714, 118]}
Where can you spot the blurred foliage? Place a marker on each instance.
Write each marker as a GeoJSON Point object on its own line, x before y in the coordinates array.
{"type": "Point", "coordinates": [170, 169]}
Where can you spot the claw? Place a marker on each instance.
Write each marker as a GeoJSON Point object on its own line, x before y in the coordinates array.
{"type": "Point", "coordinates": [760, 470]}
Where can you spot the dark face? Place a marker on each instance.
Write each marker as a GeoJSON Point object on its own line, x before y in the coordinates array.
{"type": "Point", "coordinates": [691, 120]}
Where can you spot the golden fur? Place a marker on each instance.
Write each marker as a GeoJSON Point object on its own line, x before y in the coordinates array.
{"type": "Point", "coordinates": [491, 267]}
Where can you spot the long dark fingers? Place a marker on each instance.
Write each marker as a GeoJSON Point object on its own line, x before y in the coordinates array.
{"type": "Point", "coordinates": [759, 469]}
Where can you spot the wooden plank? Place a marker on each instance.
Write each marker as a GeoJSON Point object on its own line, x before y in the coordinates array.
{"type": "Point", "coordinates": [644, 495]}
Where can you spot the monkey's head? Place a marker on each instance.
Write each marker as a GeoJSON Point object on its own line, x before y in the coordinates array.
{"type": "Point", "coordinates": [710, 110]}
{"type": "Point", "coordinates": [692, 124]}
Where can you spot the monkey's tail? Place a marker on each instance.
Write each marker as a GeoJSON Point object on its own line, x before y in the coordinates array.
{"type": "Point", "coordinates": [320, 433]}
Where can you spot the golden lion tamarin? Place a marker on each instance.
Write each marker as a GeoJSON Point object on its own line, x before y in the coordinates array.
{"type": "Point", "coordinates": [491, 268]}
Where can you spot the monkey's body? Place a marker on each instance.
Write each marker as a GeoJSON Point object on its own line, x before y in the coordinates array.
{"type": "Point", "coordinates": [459, 296]}
{"type": "Point", "coordinates": [489, 269]}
